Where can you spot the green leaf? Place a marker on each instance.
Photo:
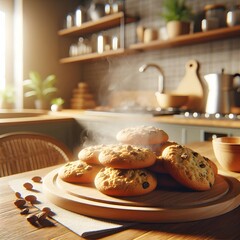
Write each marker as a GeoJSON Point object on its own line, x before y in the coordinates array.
{"type": "Point", "coordinates": [35, 77]}
{"type": "Point", "coordinates": [27, 82]}
{"type": "Point", "coordinates": [49, 81]}
{"type": "Point", "coordinates": [176, 10]}
{"type": "Point", "coordinates": [57, 101]}
{"type": "Point", "coordinates": [38, 87]}
{"type": "Point", "coordinates": [30, 94]}
{"type": "Point", "coordinates": [50, 78]}
{"type": "Point", "coordinates": [49, 90]}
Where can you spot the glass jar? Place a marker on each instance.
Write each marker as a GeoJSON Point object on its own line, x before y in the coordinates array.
{"type": "Point", "coordinates": [69, 20]}
{"type": "Point", "coordinates": [73, 50]}
{"type": "Point", "coordinates": [80, 16]}
{"type": "Point", "coordinates": [81, 46]}
{"type": "Point", "coordinates": [115, 43]}
{"type": "Point", "coordinates": [108, 7]}
{"type": "Point", "coordinates": [117, 6]}
{"type": "Point", "coordinates": [84, 46]}
{"type": "Point", "coordinates": [102, 43]}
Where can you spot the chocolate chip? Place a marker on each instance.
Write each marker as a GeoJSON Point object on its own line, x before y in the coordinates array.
{"type": "Point", "coordinates": [20, 203]}
{"type": "Point", "coordinates": [145, 185]}
{"type": "Point", "coordinates": [31, 198]}
{"type": "Point", "coordinates": [37, 179]}
{"type": "Point", "coordinates": [129, 148]}
{"type": "Point", "coordinates": [143, 174]}
{"type": "Point", "coordinates": [202, 165]}
{"type": "Point", "coordinates": [195, 154]}
{"type": "Point", "coordinates": [41, 215]}
{"type": "Point", "coordinates": [133, 153]}
{"type": "Point", "coordinates": [28, 186]}
{"type": "Point", "coordinates": [33, 220]}
{"type": "Point", "coordinates": [121, 172]}
{"type": "Point", "coordinates": [46, 223]}
{"type": "Point", "coordinates": [25, 211]}
{"type": "Point", "coordinates": [46, 209]}
{"type": "Point", "coordinates": [18, 194]}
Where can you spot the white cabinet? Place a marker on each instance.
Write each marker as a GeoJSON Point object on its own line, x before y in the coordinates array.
{"type": "Point", "coordinates": [184, 134]}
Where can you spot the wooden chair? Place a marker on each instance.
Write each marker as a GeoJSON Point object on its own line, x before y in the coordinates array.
{"type": "Point", "coordinates": [25, 151]}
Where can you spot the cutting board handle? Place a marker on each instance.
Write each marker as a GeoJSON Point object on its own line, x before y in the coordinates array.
{"type": "Point", "coordinates": [191, 85]}
{"type": "Point", "coordinates": [192, 66]}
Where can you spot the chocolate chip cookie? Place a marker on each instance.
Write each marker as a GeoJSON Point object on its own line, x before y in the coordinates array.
{"type": "Point", "coordinates": [126, 156]}
{"type": "Point", "coordinates": [189, 167]}
{"type": "Point", "coordinates": [78, 172]}
{"type": "Point", "coordinates": [125, 182]}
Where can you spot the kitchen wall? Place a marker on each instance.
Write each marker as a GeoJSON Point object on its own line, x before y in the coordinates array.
{"type": "Point", "coordinates": [122, 73]}
{"type": "Point", "coordinates": [42, 46]}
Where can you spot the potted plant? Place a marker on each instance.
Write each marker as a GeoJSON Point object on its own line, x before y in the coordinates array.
{"type": "Point", "coordinates": [177, 16]}
{"type": "Point", "coordinates": [40, 89]}
{"type": "Point", "coordinates": [57, 104]}
{"type": "Point", "coordinates": [7, 98]}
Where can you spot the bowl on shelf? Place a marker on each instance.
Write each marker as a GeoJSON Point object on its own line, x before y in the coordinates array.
{"type": "Point", "coordinates": [227, 152]}
{"type": "Point", "coordinates": [170, 100]}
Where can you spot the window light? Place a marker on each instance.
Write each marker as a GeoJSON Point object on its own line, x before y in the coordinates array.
{"type": "Point", "coordinates": [2, 50]}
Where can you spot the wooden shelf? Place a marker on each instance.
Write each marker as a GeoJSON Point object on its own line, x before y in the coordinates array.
{"type": "Point", "coordinates": [188, 39]}
{"type": "Point", "coordinates": [104, 23]}
{"type": "Point", "coordinates": [96, 56]}
{"type": "Point", "coordinates": [115, 20]}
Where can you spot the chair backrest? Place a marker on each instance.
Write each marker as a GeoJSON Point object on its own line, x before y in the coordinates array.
{"type": "Point", "coordinates": [26, 151]}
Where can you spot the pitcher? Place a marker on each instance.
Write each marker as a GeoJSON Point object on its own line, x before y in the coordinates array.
{"type": "Point", "coordinates": [221, 90]}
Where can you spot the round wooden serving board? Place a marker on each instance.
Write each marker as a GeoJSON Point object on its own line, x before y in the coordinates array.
{"type": "Point", "coordinates": [157, 206]}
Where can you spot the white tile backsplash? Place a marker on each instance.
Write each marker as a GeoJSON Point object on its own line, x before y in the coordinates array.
{"type": "Point", "coordinates": [122, 72]}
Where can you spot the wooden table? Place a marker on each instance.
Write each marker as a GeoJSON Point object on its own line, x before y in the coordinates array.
{"type": "Point", "coordinates": [14, 226]}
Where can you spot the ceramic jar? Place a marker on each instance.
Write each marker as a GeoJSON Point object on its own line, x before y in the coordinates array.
{"type": "Point", "coordinates": [233, 16]}
{"type": "Point", "coordinates": [216, 12]}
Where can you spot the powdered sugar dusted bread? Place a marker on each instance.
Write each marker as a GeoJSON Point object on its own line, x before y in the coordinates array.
{"type": "Point", "coordinates": [189, 167]}
{"type": "Point", "coordinates": [78, 172]}
{"type": "Point", "coordinates": [142, 135]}
{"type": "Point", "coordinates": [126, 156]}
{"type": "Point", "coordinates": [125, 182]}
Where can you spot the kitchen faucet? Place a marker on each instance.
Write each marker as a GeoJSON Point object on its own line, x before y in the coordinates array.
{"type": "Point", "coordinates": [144, 67]}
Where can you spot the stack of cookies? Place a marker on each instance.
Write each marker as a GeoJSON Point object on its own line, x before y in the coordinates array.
{"type": "Point", "coordinates": [82, 98]}
{"type": "Point", "coordinates": [143, 160]}
{"type": "Point", "coordinates": [125, 171]}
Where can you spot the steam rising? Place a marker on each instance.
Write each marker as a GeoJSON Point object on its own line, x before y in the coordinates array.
{"type": "Point", "coordinates": [100, 132]}
{"type": "Point", "coordinates": [111, 86]}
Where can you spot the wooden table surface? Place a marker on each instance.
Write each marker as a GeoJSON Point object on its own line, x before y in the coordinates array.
{"type": "Point", "coordinates": [14, 226]}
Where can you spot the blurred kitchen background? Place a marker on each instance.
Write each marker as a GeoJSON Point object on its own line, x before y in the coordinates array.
{"type": "Point", "coordinates": [35, 44]}
{"type": "Point", "coordinates": [94, 76]}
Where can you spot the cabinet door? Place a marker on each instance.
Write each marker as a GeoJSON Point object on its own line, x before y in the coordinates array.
{"type": "Point", "coordinates": [202, 133]}
{"type": "Point", "coordinates": [184, 134]}
{"type": "Point", "coordinates": [176, 133]}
